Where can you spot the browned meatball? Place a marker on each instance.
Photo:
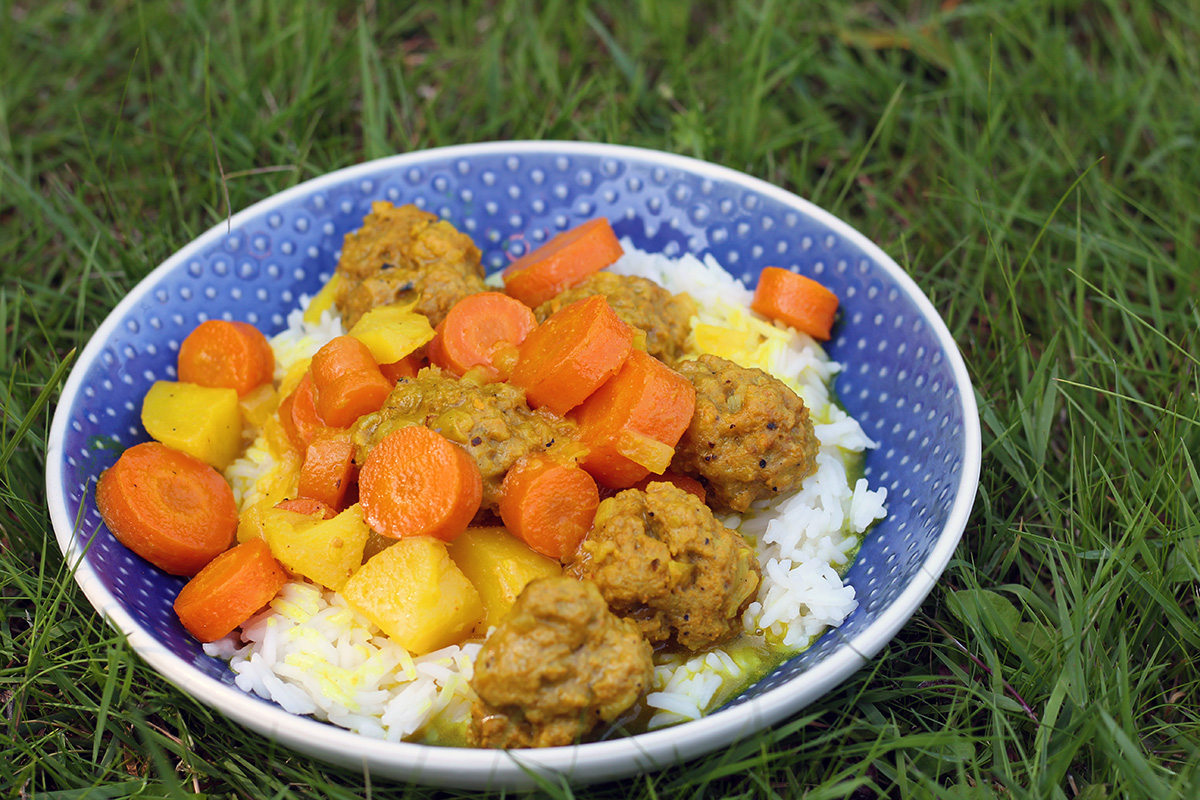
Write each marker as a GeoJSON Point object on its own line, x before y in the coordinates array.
{"type": "Point", "coordinates": [491, 421]}
{"type": "Point", "coordinates": [750, 437]}
{"type": "Point", "coordinates": [559, 664]}
{"type": "Point", "coordinates": [406, 253]}
{"type": "Point", "coordinates": [661, 559]}
{"type": "Point", "coordinates": [664, 317]}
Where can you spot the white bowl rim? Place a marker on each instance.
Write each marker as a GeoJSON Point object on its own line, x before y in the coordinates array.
{"type": "Point", "coordinates": [481, 769]}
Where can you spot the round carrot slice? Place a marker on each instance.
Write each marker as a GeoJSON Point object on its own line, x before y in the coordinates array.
{"type": "Point", "coordinates": [170, 508]}
{"type": "Point", "coordinates": [228, 355]}
{"type": "Point", "coordinates": [548, 505]}
{"type": "Point", "coordinates": [482, 331]}
{"type": "Point", "coordinates": [416, 482]}
{"type": "Point", "coordinates": [229, 590]}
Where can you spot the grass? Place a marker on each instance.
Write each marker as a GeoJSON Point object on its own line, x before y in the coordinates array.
{"type": "Point", "coordinates": [1031, 163]}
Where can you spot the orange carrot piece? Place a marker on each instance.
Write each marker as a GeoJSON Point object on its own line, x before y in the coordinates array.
{"type": "Point", "coordinates": [796, 300]}
{"type": "Point", "coordinates": [308, 506]}
{"type": "Point", "coordinates": [571, 354]}
{"type": "Point", "coordinates": [548, 505]}
{"type": "Point", "coordinates": [298, 414]}
{"type": "Point", "coordinates": [328, 469]}
{"type": "Point", "coordinates": [562, 262]}
{"type": "Point", "coordinates": [170, 508]}
{"type": "Point", "coordinates": [482, 331]}
{"type": "Point", "coordinates": [407, 367]}
{"type": "Point", "coordinates": [685, 482]}
{"type": "Point", "coordinates": [229, 355]}
{"type": "Point", "coordinates": [229, 590]}
{"type": "Point", "coordinates": [416, 482]}
{"type": "Point", "coordinates": [631, 424]}
{"type": "Point", "coordinates": [347, 382]}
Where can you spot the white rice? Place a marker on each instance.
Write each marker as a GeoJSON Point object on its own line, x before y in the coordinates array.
{"type": "Point", "coordinates": [314, 655]}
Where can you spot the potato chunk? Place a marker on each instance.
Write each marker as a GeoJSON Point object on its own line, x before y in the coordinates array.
{"type": "Point", "coordinates": [416, 595]}
{"type": "Point", "coordinates": [392, 332]}
{"type": "Point", "coordinates": [201, 421]}
{"type": "Point", "coordinates": [326, 551]}
{"type": "Point", "coordinates": [499, 565]}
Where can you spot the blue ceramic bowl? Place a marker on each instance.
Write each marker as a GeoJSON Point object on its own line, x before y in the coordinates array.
{"type": "Point", "coordinates": [905, 381]}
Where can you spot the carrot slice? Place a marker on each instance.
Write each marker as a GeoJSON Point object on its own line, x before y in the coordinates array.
{"type": "Point", "coordinates": [229, 590]}
{"type": "Point", "coordinates": [229, 355]}
{"type": "Point", "coordinates": [407, 367]}
{"type": "Point", "coordinates": [548, 505]}
{"type": "Point", "coordinates": [328, 469]}
{"type": "Point", "coordinates": [562, 262]}
{"type": "Point", "coordinates": [170, 508]}
{"type": "Point", "coordinates": [308, 506]}
{"type": "Point", "coordinates": [631, 424]}
{"type": "Point", "coordinates": [685, 482]}
{"type": "Point", "coordinates": [796, 300]}
{"type": "Point", "coordinates": [482, 331]}
{"type": "Point", "coordinates": [416, 482]}
{"type": "Point", "coordinates": [571, 354]}
{"type": "Point", "coordinates": [347, 382]}
{"type": "Point", "coordinates": [298, 414]}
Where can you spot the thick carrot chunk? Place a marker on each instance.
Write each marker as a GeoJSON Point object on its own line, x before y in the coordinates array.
{"type": "Point", "coordinates": [562, 262]}
{"type": "Point", "coordinates": [572, 354]}
{"type": "Point", "coordinates": [632, 423]}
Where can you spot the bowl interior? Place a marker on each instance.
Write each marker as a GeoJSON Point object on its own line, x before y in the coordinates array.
{"type": "Point", "coordinates": [903, 379]}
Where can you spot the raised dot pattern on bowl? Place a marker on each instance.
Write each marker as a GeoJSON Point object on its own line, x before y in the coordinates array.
{"type": "Point", "coordinates": [898, 381]}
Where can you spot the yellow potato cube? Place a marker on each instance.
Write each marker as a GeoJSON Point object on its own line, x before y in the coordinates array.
{"type": "Point", "coordinates": [201, 421]}
{"type": "Point", "coordinates": [280, 524]}
{"type": "Point", "coordinates": [392, 332]}
{"type": "Point", "coordinates": [259, 404]}
{"type": "Point", "coordinates": [326, 551]}
{"type": "Point", "coordinates": [499, 565]}
{"type": "Point", "coordinates": [250, 521]}
{"type": "Point", "coordinates": [416, 595]}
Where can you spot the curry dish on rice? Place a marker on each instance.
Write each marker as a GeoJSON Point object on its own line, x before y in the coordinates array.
{"type": "Point", "coordinates": [571, 634]}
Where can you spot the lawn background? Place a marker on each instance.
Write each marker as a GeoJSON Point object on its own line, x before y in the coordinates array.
{"type": "Point", "coordinates": [1032, 164]}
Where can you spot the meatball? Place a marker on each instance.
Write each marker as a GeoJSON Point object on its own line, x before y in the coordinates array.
{"type": "Point", "coordinates": [750, 437]}
{"type": "Point", "coordinates": [406, 253]}
{"type": "Point", "coordinates": [661, 559]}
{"type": "Point", "coordinates": [491, 421]}
{"type": "Point", "coordinates": [559, 664]}
{"type": "Point", "coordinates": [663, 317]}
